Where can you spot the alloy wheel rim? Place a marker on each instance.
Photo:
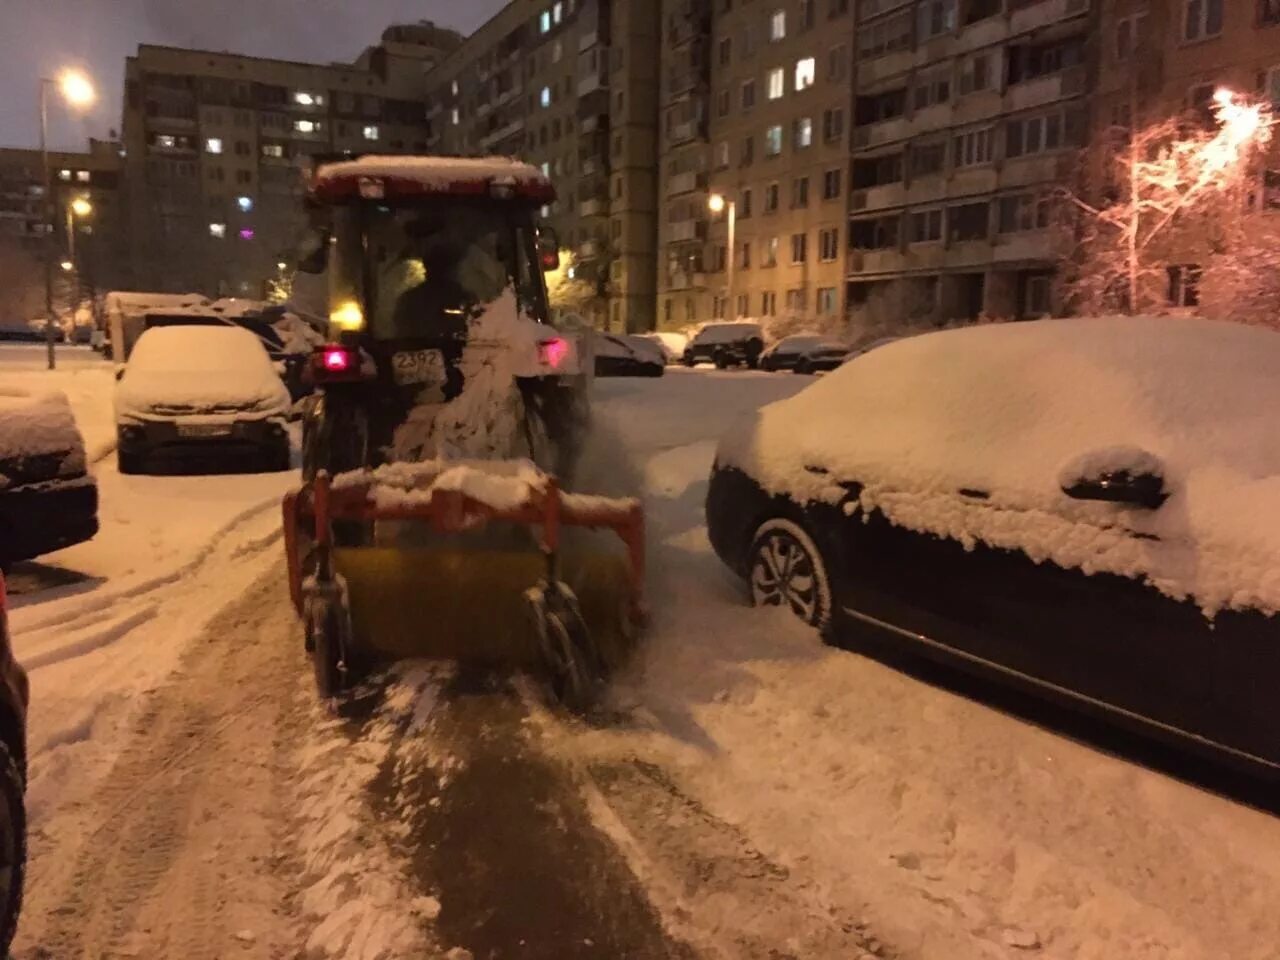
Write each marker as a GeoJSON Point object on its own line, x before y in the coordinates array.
{"type": "Point", "coordinates": [783, 575]}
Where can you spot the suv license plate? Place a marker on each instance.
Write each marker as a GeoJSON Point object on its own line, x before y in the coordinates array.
{"type": "Point", "coordinates": [204, 429]}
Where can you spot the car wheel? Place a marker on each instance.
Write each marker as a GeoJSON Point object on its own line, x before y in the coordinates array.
{"type": "Point", "coordinates": [722, 361]}
{"type": "Point", "coordinates": [787, 570]}
{"type": "Point", "coordinates": [279, 458]}
{"type": "Point", "coordinates": [802, 366]}
{"type": "Point", "coordinates": [688, 361]}
{"type": "Point", "coordinates": [128, 463]}
{"type": "Point", "coordinates": [13, 846]}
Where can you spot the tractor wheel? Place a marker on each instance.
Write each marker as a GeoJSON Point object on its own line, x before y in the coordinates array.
{"type": "Point", "coordinates": [327, 641]}
{"type": "Point", "coordinates": [567, 651]}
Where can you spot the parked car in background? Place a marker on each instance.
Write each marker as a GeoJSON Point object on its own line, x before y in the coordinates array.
{"type": "Point", "coordinates": [627, 356]}
{"type": "Point", "coordinates": [672, 344]}
{"type": "Point", "coordinates": [48, 500]}
{"type": "Point", "coordinates": [14, 699]}
{"type": "Point", "coordinates": [195, 390]}
{"type": "Point", "coordinates": [1078, 507]}
{"type": "Point", "coordinates": [868, 347]}
{"type": "Point", "coordinates": [126, 313]}
{"type": "Point", "coordinates": [804, 353]}
{"type": "Point", "coordinates": [726, 345]}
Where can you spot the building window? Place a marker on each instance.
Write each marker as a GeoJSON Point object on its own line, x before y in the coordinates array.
{"type": "Point", "coordinates": [837, 63]}
{"type": "Point", "coordinates": [744, 304]}
{"type": "Point", "coordinates": [806, 70]}
{"type": "Point", "coordinates": [218, 230]}
{"type": "Point", "coordinates": [877, 171]}
{"type": "Point", "coordinates": [82, 176]}
{"type": "Point", "coordinates": [66, 174]}
{"type": "Point", "coordinates": [1201, 19]}
{"type": "Point", "coordinates": [744, 204]}
{"type": "Point", "coordinates": [886, 36]}
{"type": "Point", "coordinates": [242, 148]}
{"type": "Point", "coordinates": [771, 198]}
{"type": "Point", "coordinates": [1268, 12]}
{"type": "Point", "coordinates": [244, 176]}
{"type": "Point", "coordinates": [968, 221]}
{"type": "Point", "coordinates": [831, 185]}
{"type": "Point", "coordinates": [544, 97]}
{"type": "Point", "coordinates": [244, 204]}
{"type": "Point", "coordinates": [306, 126]}
{"type": "Point", "coordinates": [879, 233]}
{"type": "Point", "coordinates": [1029, 61]}
{"type": "Point", "coordinates": [1040, 134]}
{"type": "Point", "coordinates": [936, 17]}
{"type": "Point", "coordinates": [1184, 285]}
{"type": "Point", "coordinates": [724, 103]}
{"type": "Point", "coordinates": [928, 158]}
{"type": "Point", "coordinates": [557, 11]}
{"type": "Point", "coordinates": [725, 51]}
{"type": "Point", "coordinates": [799, 193]}
{"type": "Point", "coordinates": [748, 94]}
{"type": "Point", "coordinates": [975, 73]}
{"type": "Point", "coordinates": [926, 226]}
{"type": "Point", "coordinates": [770, 258]}
{"type": "Point", "coordinates": [826, 301]}
{"type": "Point", "coordinates": [1037, 291]}
{"type": "Point", "coordinates": [454, 116]}
{"type": "Point", "coordinates": [748, 152]}
{"type": "Point", "coordinates": [304, 98]}
{"type": "Point", "coordinates": [829, 244]}
{"type": "Point", "coordinates": [972, 148]}
{"type": "Point", "coordinates": [274, 150]}
{"type": "Point", "coordinates": [748, 41]}
{"type": "Point", "coordinates": [162, 140]}
{"type": "Point", "coordinates": [744, 259]}
{"type": "Point", "coordinates": [213, 145]}
{"type": "Point", "coordinates": [799, 247]}
{"type": "Point", "coordinates": [931, 89]}
{"type": "Point", "coordinates": [1023, 211]}
{"type": "Point", "coordinates": [768, 303]}
{"type": "Point", "coordinates": [777, 26]}
{"type": "Point", "coordinates": [832, 125]}
{"type": "Point", "coordinates": [1129, 31]}
{"type": "Point", "coordinates": [544, 21]}
{"type": "Point", "coordinates": [802, 132]}
{"type": "Point", "coordinates": [796, 300]}
{"type": "Point", "coordinates": [722, 155]}
{"type": "Point", "coordinates": [370, 132]}
{"type": "Point", "coordinates": [777, 83]}
{"type": "Point", "coordinates": [773, 141]}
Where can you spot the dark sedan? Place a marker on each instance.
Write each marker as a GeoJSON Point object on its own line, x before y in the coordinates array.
{"type": "Point", "coordinates": [627, 357]}
{"type": "Point", "coordinates": [804, 353]}
{"type": "Point", "coordinates": [1069, 506]}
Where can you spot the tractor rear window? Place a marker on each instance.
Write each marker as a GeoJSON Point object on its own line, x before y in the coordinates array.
{"type": "Point", "coordinates": [432, 265]}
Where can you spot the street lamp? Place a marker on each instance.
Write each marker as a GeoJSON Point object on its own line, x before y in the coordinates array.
{"type": "Point", "coordinates": [78, 93]}
{"type": "Point", "coordinates": [718, 203]}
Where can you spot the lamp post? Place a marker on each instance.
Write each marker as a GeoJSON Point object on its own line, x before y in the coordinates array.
{"type": "Point", "coordinates": [77, 92]}
{"type": "Point", "coordinates": [717, 203]}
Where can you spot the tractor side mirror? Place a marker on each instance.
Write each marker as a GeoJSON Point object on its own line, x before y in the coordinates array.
{"type": "Point", "coordinates": [548, 249]}
{"type": "Point", "coordinates": [313, 254]}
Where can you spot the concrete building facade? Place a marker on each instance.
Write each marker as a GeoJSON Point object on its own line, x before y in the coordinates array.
{"type": "Point", "coordinates": [216, 143]}
{"type": "Point", "coordinates": [570, 86]}
{"type": "Point", "coordinates": [98, 255]}
{"type": "Point", "coordinates": [967, 114]}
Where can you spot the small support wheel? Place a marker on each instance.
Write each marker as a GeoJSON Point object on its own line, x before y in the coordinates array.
{"type": "Point", "coordinates": [568, 654]}
{"type": "Point", "coordinates": [329, 643]}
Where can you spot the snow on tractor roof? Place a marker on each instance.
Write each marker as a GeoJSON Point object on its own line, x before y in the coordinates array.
{"type": "Point", "coordinates": [1014, 412]}
{"type": "Point", "coordinates": [417, 176]}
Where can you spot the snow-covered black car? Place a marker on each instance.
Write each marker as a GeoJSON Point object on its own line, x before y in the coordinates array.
{"type": "Point", "coordinates": [48, 500]}
{"type": "Point", "coordinates": [804, 353]}
{"type": "Point", "coordinates": [623, 356]}
{"type": "Point", "coordinates": [726, 345]}
{"type": "Point", "coordinates": [207, 391]}
{"type": "Point", "coordinates": [1087, 508]}
{"type": "Point", "coordinates": [14, 691]}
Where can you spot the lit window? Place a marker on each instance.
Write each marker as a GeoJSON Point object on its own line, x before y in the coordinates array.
{"type": "Point", "coordinates": [453, 88]}
{"type": "Point", "coordinates": [218, 230]}
{"type": "Point", "coordinates": [272, 150]}
{"type": "Point", "coordinates": [773, 141]}
{"type": "Point", "coordinates": [162, 140]}
{"type": "Point", "coordinates": [245, 204]}
{"type": "Point", "coordinates": [804, 132]}
{"type": "Point", "coordinates": [805, 70]}
{"type": "Point", "coordinates": [371, 133]}
{"type": "Point", "coordinates": [247, 233]}
{"type": "Point", "coordinates": [544, 21]}
{"type": "Point", "coordinates": [306, 99]}
{"type": "Point", "coordinates": [557, 12]}
{"type": "Point", "coordinates": [546, 169]}
{"type": "Point", "coordinates": [64, 174]}
{"type": "Point", "coordinates": [82, 176]}
{"type": "Point", "coordinates": [213, 145]}
{"type": "Point", "coordinates": [306, 126]}
{"type": "Point", "coordinates": [557, 51]}
{"type": "Point", "coordinates": [544, 97]}
{"type": "Point", "coordinates": [777, 83]}
{"type": "Point", "coordinates": [454, 116]}
{"type": "Point", "coordinates": [778, 25]}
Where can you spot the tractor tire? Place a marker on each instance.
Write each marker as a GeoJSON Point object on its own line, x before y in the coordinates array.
{"type": "Point", "coordinates": [13, 845]}
{"type": "Point", "coordinates": [326, 644]}
{"type": "Point", "coordinates": [571, 660]}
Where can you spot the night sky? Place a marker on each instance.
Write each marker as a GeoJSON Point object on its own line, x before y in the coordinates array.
{"type": "Point", "coordinates": [37, 37]}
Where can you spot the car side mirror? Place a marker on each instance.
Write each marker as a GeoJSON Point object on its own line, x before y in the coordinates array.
{"type": "Point", "coordinates": [548, 249]}
{"type": "Point", "coordinates": [1134, 489]}
{"type": "Point", "coordinates": [313, 255]}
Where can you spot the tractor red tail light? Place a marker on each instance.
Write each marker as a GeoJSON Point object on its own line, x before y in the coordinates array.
{"type": "Point", "coordinates": [336, 364]}
{"type": "Point", "coordinates": [553, 352]}
{"type": "Point", "coordinates": [337, 360]}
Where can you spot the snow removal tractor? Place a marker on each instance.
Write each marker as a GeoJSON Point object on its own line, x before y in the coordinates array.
{"type": "Point", "coordinates": [437, 516]}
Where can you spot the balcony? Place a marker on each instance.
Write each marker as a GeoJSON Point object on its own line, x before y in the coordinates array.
{"type": "Point", "coordinates": [1034, 246]}
{"type": "Point", "coordinates": [871, 135]}
{"type": "Point", "coordinates": [506, 96]}
{"type": "Point", "coordinates": [592, 166]}
{"type": "Point", "coordinates": [593, 207]}
{"type": "Point", "coordinates": [589, 249]}
{"type": "Point", "coordinates": [1034, 14]}
{"type": "Point", "coordinates": [686, 183]}
{"type": "Point", "coordinates": [686, 230]}
{"type": "Point", "coordinates": [1043, 90]}
{"type": "Point", "coordinates": [596, 122]}
{"type": "Point", "coordinates": [599, 80]}
{"type": "Point", "coordinates": [501, 133]}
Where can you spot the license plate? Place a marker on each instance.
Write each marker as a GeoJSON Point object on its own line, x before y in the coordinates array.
{"type": "Point", "coordinates": [418, 367]}
{"type": "Point", "coordinates": [204, 429]}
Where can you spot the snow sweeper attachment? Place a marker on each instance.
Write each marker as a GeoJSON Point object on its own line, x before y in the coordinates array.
{"type": "Point", "coordinates": [495, 573]}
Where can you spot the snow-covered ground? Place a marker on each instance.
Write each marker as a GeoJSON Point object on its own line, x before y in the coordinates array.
{"type": "Point", "coordinates": [771, 796]}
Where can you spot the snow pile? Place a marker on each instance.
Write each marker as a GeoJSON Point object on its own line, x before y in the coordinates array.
{"type": "Point", "coordinates": [32, 425]}
{"type": "Point", "coordinates": [1006, 409]}
{"type": "Point", "coordinates": [435, 173]}
{"type": "Point", "coordinates": [356, 891]}
{"type": "Point", "coordinates": [296, 335]}
{"type": "Point", "coordinates": [202, 367]}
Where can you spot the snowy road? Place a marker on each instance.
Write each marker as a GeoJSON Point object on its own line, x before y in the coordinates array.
{"type": "Point", "coordinates": [751, 794]}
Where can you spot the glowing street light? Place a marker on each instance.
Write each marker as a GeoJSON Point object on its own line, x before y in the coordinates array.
{"type": "Point", "coordinates": [77, 89]}
{"type": "Point", "coordinates": [81, 207]}
{"type": "Point", "coordinates": [717, 203]}
{"type": "Point", "coordinates": [67, 266]}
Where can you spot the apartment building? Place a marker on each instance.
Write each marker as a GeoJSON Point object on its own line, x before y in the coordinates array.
{"type": "Point", "coordinates": [570, 86]}
{"type": "Point", "coordinates": [1162, 58]}
{"type": "Point", "coordinates": [216, 145]}
{"type": "Point", "coordinates": [967, 114]}
{"type": "Point", "coordinates": [99, 251]}
{"type": "Point", "coordinates": [778, 120]}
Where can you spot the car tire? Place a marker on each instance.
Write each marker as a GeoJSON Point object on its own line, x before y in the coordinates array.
{"type": "Point", "coordinates": [786, 568]}
{"type": "Point", "coordinates": [13, 845]}
{"type": "Point", "coordinates": [803, 367]}
{"type": "Point", "coordinates": [129, 463]}
{"type": "Point", "coordinates": [688, 361]}
{"type": "Point", "coordinates": [722, 361]}
{"type": "Point", "coordinates": [279, 458]}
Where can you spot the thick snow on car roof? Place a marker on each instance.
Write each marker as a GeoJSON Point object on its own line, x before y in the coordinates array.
{"type": "Point", "coordinates": [437, 174]}
{"type": "Point", "coordinates": [32, 424]}
{"type": "Point", "coordinates": [1016, 411]}
{"type": "Point", "coordinates": [197, 348]}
